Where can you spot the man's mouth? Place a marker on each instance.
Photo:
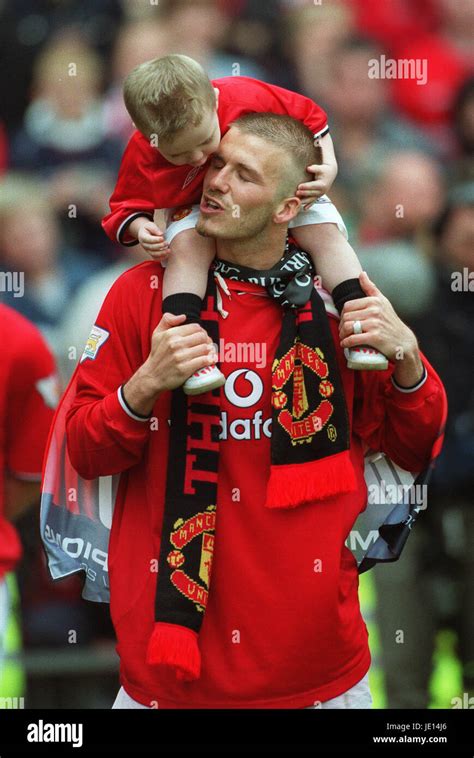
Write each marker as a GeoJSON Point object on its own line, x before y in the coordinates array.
{"type": "Point", "coordinates": [210, 206]}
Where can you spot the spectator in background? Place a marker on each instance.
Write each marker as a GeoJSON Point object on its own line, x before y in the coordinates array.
{"type": "Point", "coordinates": [3, 149]}
{"type": "Point", "coordinates": [28, 395]}
{"type": "Point", "coordinates": [198, 29]}
{"type": "Point", "coordinates": [258, 31]}
{"type": "Point", "coordinates": [462, 168]}
{"type": "Point", "coordinates": [64, 139]}
{"type": "Point", "coordinates": [450, 59]}
{"type": "Point", "coordinates": [27, 26]}
{"type": "Point", "coordinates": [393, 23]}
{"type": "Point", "coordinates": [314, 35]}
{"type": "Point", "coordinates": [137, 42]}
{"type": "Point", "coordinates": [397, 209]}
{"type": "Point", "coordinates": [438, 565]}
{"type": "Point", "coordinates": [405, 197]}
{"type": "Point", "coordinates": [363, 125]}
{"type": "Point", "coordinates": [31, 244]}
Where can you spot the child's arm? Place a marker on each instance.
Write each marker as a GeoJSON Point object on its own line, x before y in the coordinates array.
{"type": "Point", "coordinates": [132, 202]}
{"type": "Point", "coordinates": [150, 237]}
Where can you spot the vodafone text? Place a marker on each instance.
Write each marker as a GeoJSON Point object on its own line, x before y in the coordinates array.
{"type": "Point", "coordinates": [251, 391]}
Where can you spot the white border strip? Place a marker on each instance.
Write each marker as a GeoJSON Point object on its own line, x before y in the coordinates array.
{"type": "Point", "coordinates": [411, 389]}
{"type": "Point", "coordinates": [127, 410]}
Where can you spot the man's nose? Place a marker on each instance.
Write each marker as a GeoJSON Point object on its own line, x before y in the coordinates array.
{"type": "Point", "coordinates": [219, 181]}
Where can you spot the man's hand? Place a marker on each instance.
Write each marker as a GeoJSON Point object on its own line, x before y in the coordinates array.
{"type": "Point", "coordinates": [150, 237]}
{"type": "Point", "coordinates": [177, 351]}
{"type": "Point", "coordinates": [382, 329]}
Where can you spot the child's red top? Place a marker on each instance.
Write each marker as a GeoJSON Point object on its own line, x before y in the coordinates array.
{"type": "Point", "coordinates": [148, 181]}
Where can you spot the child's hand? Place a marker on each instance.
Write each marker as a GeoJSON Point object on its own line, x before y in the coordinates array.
{"type": "Point", "coordinates": [325, 174]}
{"type": "Point", "coordinates": [152, 239]}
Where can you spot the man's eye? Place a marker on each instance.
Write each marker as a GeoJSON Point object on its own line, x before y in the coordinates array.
{"type": "Point", "coordinates": [244, 178]}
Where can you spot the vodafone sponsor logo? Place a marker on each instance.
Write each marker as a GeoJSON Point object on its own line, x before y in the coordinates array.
{"type": "Point", "coordinates": [244, 389]}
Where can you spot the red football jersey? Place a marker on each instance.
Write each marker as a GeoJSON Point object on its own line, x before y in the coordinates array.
{"type": "Point", "coordinates": [28, 394]}
{"type": "Point", "coordinates": [283, 626]}
{"type": "Point", "coordinates": [147, 181]}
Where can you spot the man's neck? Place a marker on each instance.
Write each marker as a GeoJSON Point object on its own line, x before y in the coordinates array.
{"type": "Point", "coordinates": [260, 252]}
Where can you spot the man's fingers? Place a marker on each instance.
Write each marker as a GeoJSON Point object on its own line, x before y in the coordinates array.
{"type": "Point", "coordinates": [194, 365]}
{"type": "Point", "coordinates": [186, 342]}
{"type": "Point", "coordinates": [359, 304]}
{"type": "Point", "coordinates": [347, 328]}
{"type": "Point", "coordinates": [367, 338]}
{"type": "Point", "coordinates": [368, 285]}
{"type": "Point", "coordinates": [181, 330]}
{"type": "Point", "coordinates": [186, 354]}
{"type": "Point", "coordinates": [168, 320]}
{"type": "Point", "coordinates": [372, 311]}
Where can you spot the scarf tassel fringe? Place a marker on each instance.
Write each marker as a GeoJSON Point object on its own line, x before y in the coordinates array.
{"type": "Point", "coordinates": [316, 480]}
{"type": "Point", "coordinates": [176, 646]}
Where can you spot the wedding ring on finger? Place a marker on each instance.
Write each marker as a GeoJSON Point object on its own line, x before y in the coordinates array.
{"type": "Point", "coordinates": [357, 327]}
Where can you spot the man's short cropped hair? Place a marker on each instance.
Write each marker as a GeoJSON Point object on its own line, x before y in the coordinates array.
{"type": "Point", "coordinates": [165, 95]}
{"type": "Point", "coordinates": [289, 134]}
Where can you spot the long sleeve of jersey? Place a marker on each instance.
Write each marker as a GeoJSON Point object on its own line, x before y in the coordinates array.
{"type": "Point", "coordinates": [385, 417]}
{"type": "Point", "coordinates": [103, 436]}
{"type": "Point", "coordinates": [134, 192]}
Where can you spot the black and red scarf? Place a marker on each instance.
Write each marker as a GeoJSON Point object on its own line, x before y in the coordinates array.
{"type": "Point", "coordinates": [309, 451]}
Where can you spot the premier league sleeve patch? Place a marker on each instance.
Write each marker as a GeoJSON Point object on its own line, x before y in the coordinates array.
{"type": "Point", "coordinates": [96, 339]}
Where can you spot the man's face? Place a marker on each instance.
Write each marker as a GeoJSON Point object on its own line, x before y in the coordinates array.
{"type": "Point", "coordinates": [193, 145]}
{"type": "Point", "coordinates": [240, 192]}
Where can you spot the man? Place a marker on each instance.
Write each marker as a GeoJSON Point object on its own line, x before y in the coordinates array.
{"type": "Point", "coordinates": [28, 394]}
{"type": "Point", "coordinates": [269, 503]}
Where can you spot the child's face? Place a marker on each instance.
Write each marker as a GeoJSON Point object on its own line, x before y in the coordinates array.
{"type": "Point", "coordinates": [193, 145]}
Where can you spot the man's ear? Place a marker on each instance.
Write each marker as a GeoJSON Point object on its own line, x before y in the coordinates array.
{"type": "Point", "coordinates": [217, 93]}
{"type": "Point", "coordinates": [287, 210]}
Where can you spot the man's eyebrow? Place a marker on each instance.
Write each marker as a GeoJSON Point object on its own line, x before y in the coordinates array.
{"type": "Point", "coordinates": [249, 170]}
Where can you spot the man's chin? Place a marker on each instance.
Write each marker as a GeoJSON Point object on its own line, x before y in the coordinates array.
{"type": "Point", "coordinates": [209, 227]}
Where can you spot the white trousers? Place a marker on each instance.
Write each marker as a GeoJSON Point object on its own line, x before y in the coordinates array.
{"type": "Point", "coordinates": [357, 696]}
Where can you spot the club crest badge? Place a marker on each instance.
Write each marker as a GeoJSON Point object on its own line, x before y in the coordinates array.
{"type": "Point", "coordinates": [201, 525]}
{"type": "Point", "coordinates": [302, 422]}
{"type": "Point", "coordinates": [180, 213]}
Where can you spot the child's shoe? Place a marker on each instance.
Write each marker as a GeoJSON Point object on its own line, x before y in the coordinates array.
{"type": "Point", "coordinates": [365, 358]}
{"type": "Point", "coordinates": [204, 380]}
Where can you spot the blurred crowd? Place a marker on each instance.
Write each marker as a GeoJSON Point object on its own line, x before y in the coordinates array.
{"type": "Point", "coordinates": [405, 188]}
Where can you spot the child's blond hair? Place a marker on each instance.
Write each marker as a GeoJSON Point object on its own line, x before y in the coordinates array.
{"type": "Point", "coordinates": [165, 95]}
